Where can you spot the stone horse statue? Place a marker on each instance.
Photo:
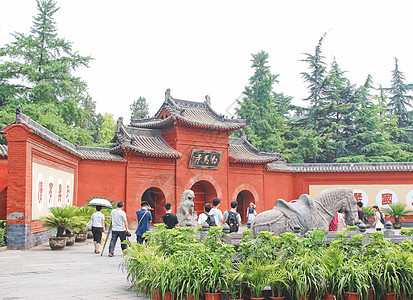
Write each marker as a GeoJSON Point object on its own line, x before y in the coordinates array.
{"type": "Point", "coordinates": [185, 211]}
{"type": "Point", "coordinates": [307, 213]}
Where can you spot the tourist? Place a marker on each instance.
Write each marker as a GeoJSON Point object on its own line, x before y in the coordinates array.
{"type": "Point", "coordinates": [378, 218]}
{"type": "Point", "coordinates": [333, 224]}
{"type": "Point", "coordinates": [169, 218]}
{"type": "Point", "coordinates": [119, 228]}
{"type": "Point", "coordinates": [98, 227]}
{"type": "Point", "coordinates": [207, 216]}
{"type": "Point", "coordinates": [144, 218]}
{"type": "Point", "coordinates": [360, 212]}
{"type": "Point", "coordinates": [232, 217]}
{"type": "Point", "coordinates": [251, 213]}
{"type": "Point", "coordinates": [216, 211]}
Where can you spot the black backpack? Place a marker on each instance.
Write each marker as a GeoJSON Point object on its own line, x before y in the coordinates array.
{"type": "Point", "coordinates": [210, 220]}
{"type": "Point", "coordinates": [232, 221]}
{"type": "Point", "coordinates": [382, 218]}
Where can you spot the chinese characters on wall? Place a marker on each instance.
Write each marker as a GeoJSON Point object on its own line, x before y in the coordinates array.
{"type": "Point", "coordinates": [203, 159]}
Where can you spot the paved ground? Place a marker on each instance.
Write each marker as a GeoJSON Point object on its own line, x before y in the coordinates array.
{"type": "Point", "coordinates": [73, 273]}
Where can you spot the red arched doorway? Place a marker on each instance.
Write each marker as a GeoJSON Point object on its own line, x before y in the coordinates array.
{"type": "Point", "coordinates": [204, 193]}
{"type": "Point", "coordinates": [156, 200]}
{"type": "Point", "coordinates": [244, 198]}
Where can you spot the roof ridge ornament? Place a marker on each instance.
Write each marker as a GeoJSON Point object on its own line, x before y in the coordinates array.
{"type": "Point", "coordinates": [207, 100]}
{"type": "Point", "coordinates": [18, 111]}
{"type": "Point", "coordinates": [119, 124]}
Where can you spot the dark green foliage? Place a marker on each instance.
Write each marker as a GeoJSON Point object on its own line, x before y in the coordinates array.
{"type": "Point", "coordinates": [139, 108]}
{"type": "Point", "coordinates": [37, 72]}
{"type": "Point", "coordinates": [343, 123]}
{"type": "Point", "coordinates": [3, 233]}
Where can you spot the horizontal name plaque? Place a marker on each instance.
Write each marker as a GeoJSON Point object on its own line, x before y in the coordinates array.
{"type": "Point", "coordinates": [204, 159]}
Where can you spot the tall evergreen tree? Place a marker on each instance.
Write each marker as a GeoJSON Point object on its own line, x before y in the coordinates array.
{"type": "Point", "coordinates": [258, 106]}
{"type": "Point", "coordinates": [317, 82]}
{"type": "Point", "coordinates": [399, 97]}
{"type": "Point", "coordinates": [139, 108]}
{"type": "Point", "coordinates": [36, 71]}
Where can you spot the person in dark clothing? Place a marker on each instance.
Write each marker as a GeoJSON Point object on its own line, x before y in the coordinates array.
{"type": "Point", "coordinates": [169, 218]}
{"type": "Point", "coordinates": [360, 212]}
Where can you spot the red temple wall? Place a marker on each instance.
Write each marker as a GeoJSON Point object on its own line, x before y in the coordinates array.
{"type": "Point", "coordinates": [149, 173]}
{"type": "Point", "coordinates": [3, 189]}
{"type": "Point", "coordinates": [278, 185]}
{"type": "Point", "coordinates": [214, 181]}
{"type": "Point", "coordinates": [249, 178]}
{"type": "Point", "coordinates": [101, 179]}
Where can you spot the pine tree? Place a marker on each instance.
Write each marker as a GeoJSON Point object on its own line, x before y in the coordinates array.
{"type": "Point", "coordinates": [317, 83]}
{"type": "Point", "coordinates": [36, 71]}
{"type": "Point", "coordinates": [259, 108]}
{"type": "Point", "coordinates": [139, 108]}
{"type": "Point", "coordinates": [399, 97]}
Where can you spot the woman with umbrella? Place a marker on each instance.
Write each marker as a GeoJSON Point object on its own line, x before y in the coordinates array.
{"type": "Point", "coordinates": [98, 221]}
{"type": "Point", "coordinates": [98, 227]}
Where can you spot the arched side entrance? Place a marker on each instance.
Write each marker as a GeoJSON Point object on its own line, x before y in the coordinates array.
{"type": "Point", "coordinates": [244, 198]}
{"type": "Point", "coordinates": [204, 193]}
{"type": "Point", "coordinates": [156, 199]}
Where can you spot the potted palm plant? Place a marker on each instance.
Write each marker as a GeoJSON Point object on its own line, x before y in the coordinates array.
{"type": "Point", "coordinates": [257, 277]}
{"type": "Point", "coordinates": [354, 280]}
{"type": "Point", "coordinates": [331, 261]}
{"type": "Point", "coordinates": [214, 279]}
{"type": "Point", "coordinates": [398, 210]}
{"type": "Point", "coordinates": [61, 218]}
{"type": "Point", "coordinates": [237, 281]}
{"type": "Point", "coordinates": [278, 279]}
{"type": "Point", "coordinates": [368, 213]}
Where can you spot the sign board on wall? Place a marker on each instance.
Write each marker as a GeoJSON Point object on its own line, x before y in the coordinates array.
{"type": "Point", "coordinates": [50, 188]}
{"type": "Point", "coordinates": [370, 195]}
{"type": "Point", "coordinates": [203, 159]}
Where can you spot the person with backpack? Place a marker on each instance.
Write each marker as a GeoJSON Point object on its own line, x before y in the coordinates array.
{"type": "Point", "coordinates": [207, 216]}
{"type": "Point", "coordinates": [232, 217]}
{"type": "Point", "coordinates": [378, 218]}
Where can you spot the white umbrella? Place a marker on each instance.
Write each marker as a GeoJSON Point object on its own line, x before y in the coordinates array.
{"type": "Point", "coordinates": [101, 202]}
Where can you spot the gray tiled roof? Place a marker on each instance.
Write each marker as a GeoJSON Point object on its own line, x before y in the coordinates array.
{"type": "Point", "coordinates": [95, 153]}
{"type": "Point", "coordinates": [189, 113]}
{"type": "Point", "coordinates": [145, 142]}
{"type": "Point", "coordinates": [3, 150]}
{"type": "Point", "coordinates": [240, 150]}
{"type": "Point", "coordinates": [79, 151]}
{"type": "Point", "coordinates": [348, 167]}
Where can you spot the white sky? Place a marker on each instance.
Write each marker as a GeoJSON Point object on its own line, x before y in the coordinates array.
{"type": "Point", "coordinates": [199, 48]}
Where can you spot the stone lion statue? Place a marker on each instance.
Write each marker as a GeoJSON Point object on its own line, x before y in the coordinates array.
{"type": "Point", "coordinates": [185, 211]}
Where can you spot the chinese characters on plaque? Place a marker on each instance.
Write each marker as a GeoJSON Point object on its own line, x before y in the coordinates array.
{"type": "Point", "coordinates": [204, 159]}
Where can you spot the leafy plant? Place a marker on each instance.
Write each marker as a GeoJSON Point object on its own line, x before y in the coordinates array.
{"type": "Point", "coordinates": [397, 211]}
{"type": "Point", "coordinates": [354, 278]}
{"type": "Point", "coordinates": [406, 231]}
{"type": "Point", "coordinates": [351, 228]}
{"type": "Point", "coordinates": [3, 233]}
{"type": "Point", "coordinates": [368, 211]}
{"type": "Point", "coordinates": [62, 218]}
{"type": "Point", "coordinates": [257, 276]}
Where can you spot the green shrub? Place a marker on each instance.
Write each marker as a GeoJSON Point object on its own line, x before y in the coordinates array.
{"type": "Point", "coordinates": [3, 233]}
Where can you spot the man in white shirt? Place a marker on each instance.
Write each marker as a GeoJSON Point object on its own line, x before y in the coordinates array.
{"type": "Point", "coordinates": [215, 211]}
{"type": "Point", "coordinates": [207, 216]}
{"type": "Point", "coordinates": [119, 228]}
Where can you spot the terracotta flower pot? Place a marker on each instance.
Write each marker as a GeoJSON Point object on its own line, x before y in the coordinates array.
{"type": "Point", "coordinates": [390, 296]}
{"type": "Point", "coordinates": [350, 296]}
{"type": "Point", "coordinates": [57, 243]}
{"type": "Point", "coordinates": [212, 296]}
{"type": "Point", "coordinates": [252, 298]}
{"type": "Point", "coordinates": [330, 297]}
{"type": "Point", "coordinates": [189, 297]}
{"type": "Point", "coordinates": [277, 298]}
{"type": "Point", "coordinates": [156, 295]}
{"type": "Point", "coordinates": [70, 239]}
{"type": "Point", "coordinates": [167, 296]}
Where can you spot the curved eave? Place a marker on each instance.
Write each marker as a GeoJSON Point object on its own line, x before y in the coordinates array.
{"type": "Point", "coordinates": [252, 161]}
{"type": "Point", "coordinates": [157, 123]}
{"type": "Point", "coordinates": [209, 126]}
{"type": "Point", "coordinates": [140, 152]}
